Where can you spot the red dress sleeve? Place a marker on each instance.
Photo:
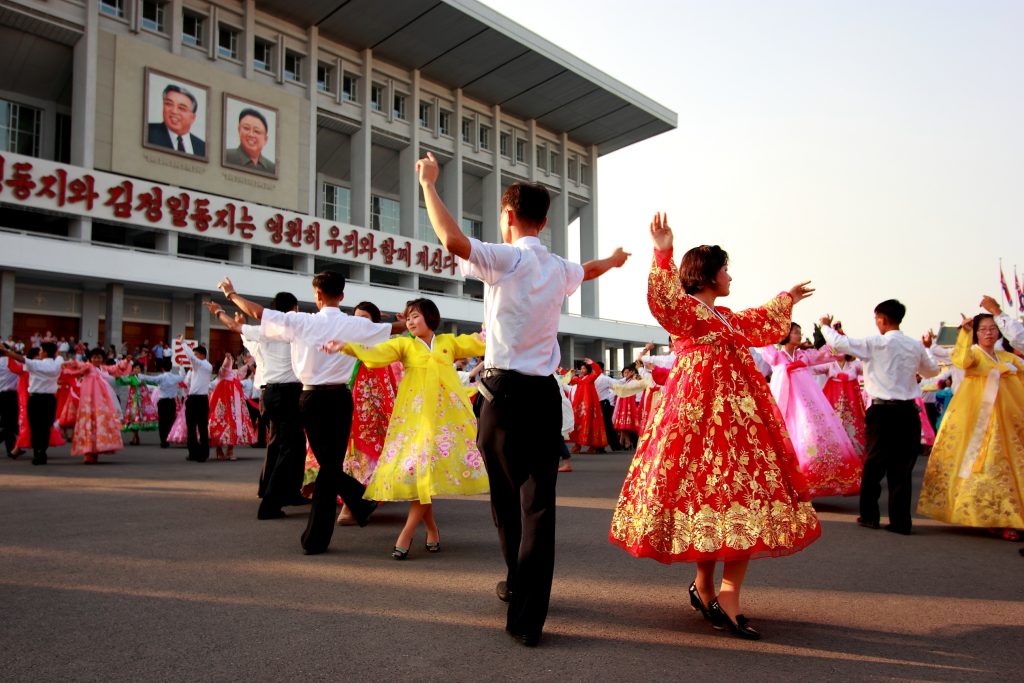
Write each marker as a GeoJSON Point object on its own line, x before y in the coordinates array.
{"type": "Point", "coordinates": [766, 325]}
{"type": "Point", "coordinates": [665, 296]}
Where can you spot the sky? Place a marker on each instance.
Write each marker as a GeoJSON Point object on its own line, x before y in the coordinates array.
{"type": "Point", "coordinates": [873, 147]}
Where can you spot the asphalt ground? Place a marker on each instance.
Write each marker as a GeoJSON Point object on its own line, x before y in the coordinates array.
{"type": "Point", "coordinates": [149, 568]}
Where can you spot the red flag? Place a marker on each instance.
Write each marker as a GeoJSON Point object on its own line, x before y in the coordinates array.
{"type": "Point", "coordinates": [1020, 290]}
{"type": "Point", "coordinates": [1006, 289]}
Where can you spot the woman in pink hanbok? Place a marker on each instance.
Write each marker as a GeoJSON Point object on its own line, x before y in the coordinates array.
{"type": "Point", "coordinates": [230, 425]}
{"type": "Point", "coordinates": [827, 457]}
{"type": "Point", "coordinates": [842, 389]}
{"type": "Point", "coordinates": [97, 416]}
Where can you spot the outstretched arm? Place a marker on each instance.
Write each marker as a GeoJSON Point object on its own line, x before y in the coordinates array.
{"type": "Point", "coordinates": [598, 267]}
{"type": "Point", "coordinates": [445, 227]}
{"type": "Point", "coordinates": [250, 308]}
{"type": "Point", "coordinates": [232, 324]}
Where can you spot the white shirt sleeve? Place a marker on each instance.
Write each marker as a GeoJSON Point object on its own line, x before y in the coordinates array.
{"type": "Point", "coordinates": [489, 262]}
{"type": "Point", "coordinates": [842, 343]}
{"type": "Point", "coordinates": [362, 331]}
{"type": "Point", "coordinates": [280, 326]}
{"type": "Point", "coordinates": [250, 333]}
{"type": "Point", "coordinates": [573, 276]}
{"type": "Point", "coordinates": [1012, 329]}
{"type": "Point", "coordinates": [926, 366]}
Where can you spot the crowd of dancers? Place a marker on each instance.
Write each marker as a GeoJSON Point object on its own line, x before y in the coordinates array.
{"type": "Point", "coordinates": [736, 430]}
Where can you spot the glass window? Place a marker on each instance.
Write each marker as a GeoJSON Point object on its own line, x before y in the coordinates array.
{"type": "Point", "coordinates": [474, 227]}
{"type": "Point", "coordinates": [573, 175]}
{"type": "Point", "coordinates": [153, 16]}
{"type": "Point", "coordinates": [337, 204]}
{"type": "Point", "coordinates": [584, 173]}
{"type": "Point", "coordinates": [426, 231]}
{"type": "Point", "coordinates": [349, 88]}
{"type": "Point", "coordinates": [377, 97]}
{"type": "Point", "coordinates": [467, 130]}
{"type": "Point", "coordinates": [485, 137]}
{"type": "Point", "coordinates": [555, 160]}
{"type": "Point", "coordinates": [20, 128]}
{"type": "Point", "coordinates": [263, 55]}
{"type": "Point", "coordinates": [112, 8]}
{"type": "Point", "coordinates": [292, 66]}
{"type": "Point", "coordinates": [542, 157]}
{"type": "Point", "coordinates": [425, 118]}
{"type": "Point", "coordinates": [192, 28]}
{"type": "Point", "coordinates": [324, 77]}
{"type": "Point", "coordinates": [62, 139]}
{"type": "Point", "coordinates": [398, 110]}
{"type": "Point", "coordinates": [227, 42]}
{"type": "Point", "coordinates": [520, 151]}
{"type": "Point", "coordinates": [444, 123]}
{"type": "Point", "coordinates": [385, 214]}
{"type": "Point", "coordinates": [503, 144]}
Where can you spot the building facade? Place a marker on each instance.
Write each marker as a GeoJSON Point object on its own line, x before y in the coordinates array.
{"type": "Point", "coordinates": [148, 148]}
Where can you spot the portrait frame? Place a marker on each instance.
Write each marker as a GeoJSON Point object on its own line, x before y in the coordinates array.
{"type": "Point", "coordinates": [232, 154]}
{"type": "Point", "coordinates": [155, 133]}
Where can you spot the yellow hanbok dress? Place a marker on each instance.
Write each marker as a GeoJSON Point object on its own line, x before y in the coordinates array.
{"type": "Point", "coordinates": [430, 448]}
{"type": "Point", "coordinates": [975, 474]}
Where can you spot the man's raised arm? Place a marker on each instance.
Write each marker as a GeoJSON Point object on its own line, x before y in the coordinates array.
{"type": "Point", "coordinates": [445, 227]}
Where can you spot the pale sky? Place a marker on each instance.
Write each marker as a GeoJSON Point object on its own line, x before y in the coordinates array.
{"type": "Point", "coordinates": [873, 147]}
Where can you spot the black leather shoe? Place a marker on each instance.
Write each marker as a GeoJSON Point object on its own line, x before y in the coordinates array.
{"type": "Point", "coordinates": [504, 594]}
{"type": "Point", "coordinates": [39, 458]}
{"type": "Point", "coordinates": [270, 514]}
{"type": "Point", "coordinates": [699, 606]}
{"type": "Point", "coordinates": [868, 525]}
{"type": "Point", "coordinates": [298, 501]}
{"type": "Point", "coordinates": [525, 639]}
{"type": "Point", "coordinates": [897, 530]}
{"type": "Point", "coordinates": [740, 628]}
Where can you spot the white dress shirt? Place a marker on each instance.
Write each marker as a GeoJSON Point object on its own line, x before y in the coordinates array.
{"type": "Point", "coordinates": [186, 140]}
{"type": "Point", "coordinates": [167, 384]}
{"type": "Point", "coordinates": [308, 332]}
{"type": "Point", "coordinates": [43, 374]}
{"type": "Point", "coordinates": [525, 285]}
{"type": "Point", "coordinates": [603, 385]}
{"type": "Point", "coordinates": [273, 358]}
{"type": "Point", "coordinates": [199, 378]}
{"type": "Point", "coordinates": [8, 379]}
{"type": "Point", "coordinates": [1012, 329]}
{"type": "Point", "coordinates": [891, 362]}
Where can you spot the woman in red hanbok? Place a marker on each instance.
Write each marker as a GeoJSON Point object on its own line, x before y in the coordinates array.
{"type": "Point", "coordinates": [97, 416]}
{"type": "Point", "coordinates": [230, 425]}
{"type": "Point", "coordinates": [586, 409]}
{"type": "Point", "coordinates": [714, 478]}
{"type": "Point", "coordinates": [842, 389]}
{"type": "Point", "coordinates": [626, 416]}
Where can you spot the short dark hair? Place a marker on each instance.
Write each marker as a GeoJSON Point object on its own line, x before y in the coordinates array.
{"type": "Point", "coordinates": [200, 349]}
{"type": "Point", "coordinates": [892, 309]}
{"type": "Point", "coordinates": [700, 267]}
{"type": "Point", "coordinates": [50, 348]}
{"type": "Point", "coordinates": [249, 111]}
{"type": "Point", "coordinates": [977, 320]}
{"type": "Point", "coordinates": [788, 334]}
{"type": "Point", "coordinates": [97, 352]}
{"type": "Point", "coordinates": [173, 87]}
{"type": "Point", "coordinates": [370, 308]}
{"type": "Point", "coordinates": [136, 364]}
{"type": "Point", "coordinates": [426, 308]}
{"type": "Point", "coordinates": [529, 201]}
{"type": "Point", "coordinates": [330, 283]}
{"type": "Point", "coordinates": [165, 364]}
{"type": "Point", "coordinates": [284, 302]}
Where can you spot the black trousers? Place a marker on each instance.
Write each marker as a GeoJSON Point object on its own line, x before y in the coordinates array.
{"type": "Point", "coordinates": [9, 419]}
{"type": "Point", "coordinates": [166, 410]}
{"type": "Point", "coordinates": [42, 409]}
{"type": "Point", "coordinates": [893, 440]}
{"type": "Point", "coordinates": [285, 462]}
{"type": "Point", "coordinates": [607, 410]}
{"type": "Point", "coordinates": [197, 422]}
{"type": "Point", "coordinates": [519, 436]}
{"type": "Point", "coordinates": [932, 410]}
{"type": "Point", "coordinates": [327, 418]}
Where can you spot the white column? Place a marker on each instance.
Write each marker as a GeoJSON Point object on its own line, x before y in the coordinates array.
{"type": "Point", "coordinates": [114, 319]}
{"type": "Point", "coordinates": [89, 324]}
{"type": "Point", "coordinates": [362, 147]}
{"type": "Point", "coordinates": [491, 186]}
{"type": "Point", "coordinates": [249, 37]}
{"type": "Point", "coordinates": [200, 320]}
{"type": "Point", "coordinates": [559, 216]}
{"type": "Point", "coordinates": [312, 93]}
{"type": "Point", "coordinates": [567, 344]}
{"type": "Point", "coordinates": [179, 317]}
{"type": "Point", "coordinates": [588, 241]}
{"type": "Point", "coordinates": [83, 107]}
{"type": "Point", "coordinates": [167, 242]}
{"type": "Point", "coordinates": [240, 253]}
{"type": "Point", "coordinates": [408, 182]}
{"type": "Point", "coordinates": [453, 169]}
{"type": "Point", "coordinates": [531, 149]}
{"type": "Point", "coordinates": [172, 11]}
{"type": "Point", "coordinates": [7, 282]}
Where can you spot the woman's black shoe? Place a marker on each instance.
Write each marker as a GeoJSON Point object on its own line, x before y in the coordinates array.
{"type": "Point", "coordinates": [698, 605]}
{"type": "Point", "coordinates": [740, 628]}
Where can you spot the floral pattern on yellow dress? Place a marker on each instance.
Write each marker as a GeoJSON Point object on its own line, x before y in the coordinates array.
{"type": "Point", "coordinates": [990, 495]}
{"type": "Point", "coordinates": [430, 448]}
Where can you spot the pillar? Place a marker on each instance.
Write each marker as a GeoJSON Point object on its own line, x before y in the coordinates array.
{"type": "Point", "coordinates": [408, 180]}
{"type": "Point", "coordinates": [83, 90]}
{"type": "Point", "coordinates": [200, 319]}
{"type": "Point", "coordinates": [453, 169]}
{"type": "Point", "coordinates": [312, 93]}
{"type": "Point", "coordinates": [179, 317]}
{"type": "Point", "coordinates": [167, 243]}
{"type": "Point", "coordinates": [588, 243]}
{"type": "Point", "coordinates": [89, 324]}
{"type": "Point", "coordinates": [567, 344]}
{"type": "Point", "coordinates": [249, 38]}
{"type": "Point", "coordinates": [114, 319]}
{"type": "Point", "coordinates": [362, 147]}
{"type": "Point", "coordinates": [240, 254]}
{"type": "Point", "coordinates": [6, 304]}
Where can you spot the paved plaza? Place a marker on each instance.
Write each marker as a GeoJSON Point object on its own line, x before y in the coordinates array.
{"type": "Point", "coordinates": [147, 567]}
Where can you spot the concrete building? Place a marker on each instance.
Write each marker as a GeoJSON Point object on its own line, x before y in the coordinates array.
{"type": "Point", "coordinates": [149, 148]}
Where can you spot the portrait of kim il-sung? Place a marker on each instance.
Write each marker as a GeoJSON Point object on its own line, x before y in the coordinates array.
{"type": "Point", "coordinates": [250, 137]}
{"type": "Point", "coordinates": [176, 115]}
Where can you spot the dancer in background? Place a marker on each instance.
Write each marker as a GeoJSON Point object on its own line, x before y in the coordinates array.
{"type": "Point", "coordinates": [9, 372]}
{"type": "Point", "coordinates": [975, 474]}
{"type": "Point", "coordinates": [168, 386]}
{"type": "Point", "coordinates": [96, 413]}
{"type": "Point", "coordinates": [140, 413]}
{"type": "Point", "coordinates": [829, 461]}
{"type": "Point", "coordinates": [842, 389]}
{"type": "Point", "coordinates": [709, 469]}
{"type": "Point", "coordinates": [1011, 329]}
{"type": "Point", "coordinates": [626, 417]}
{"type": "Point", "coordinates": [589, 431]}
{"type": "Point", "coordinates": [197, 404]}
{"type": "Point", "coordinates": [230, 425]}
{"type": "Point", "coordinates": [41, 370]}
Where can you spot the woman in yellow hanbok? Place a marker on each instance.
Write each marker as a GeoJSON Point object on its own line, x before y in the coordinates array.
{"type": "Point", "coordinates": [430, 448]}
{"type": "Point", "coordinates": [975, 474]}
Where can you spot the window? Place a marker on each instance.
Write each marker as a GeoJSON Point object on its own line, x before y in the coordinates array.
{"type": "Point", "coordinates": [324, 77]}
{"type": "Point", "coordinates": [425, 118]}
{"type": "Point", "coordinates": [485, 137]}
{"type": "Point", "coordinates": [546, 238]}
{"type": "Point", "coordinates": [153, 16]}
{"type": "Point", "coordinates": [112, 8]}
{"type": "Point", "coordinates": [292, 66]}
{"type": "Point", "coordinates": [520, 151]}
{"type": "Point", "coordinates": [192, 28]}
{"type": "Point", "coordinates": [20, 128]}
{"type": "Point", "coordinates": [398, 110]}
{"type": "Point", "coordinates": [467, 130]}
{"type": "Point", "coordinates": [349, 88]}
{"type": "Point", "coordinates": [584, 173]}
{"type": "Point", "coordinates": [227, 42]}
{"type": "Point", "coordinates": [385, 214]}
{"type": "Point", "coordinates": [377, 97]}
{"type": "Point", "coordinates": [542, 158]}
{"type": "Point", "coordinates": [337, 204]}
{"type": "Point", "coordinates": [427, 233]}
{"type": "Point", "coordinates": [263, 55]}
{"type": "Point", "coordinates": [62, 139]}
{"type": "Point", "coordinates": [444, 123]}
{"type": "Point", "coordinates": [473, 227]}
{"type": "Point", "coordinates": [504, 141]}
{"type": "Point", "coordinates": [573, 175]}
{"type": "Point", "coordinates": [555, 159]}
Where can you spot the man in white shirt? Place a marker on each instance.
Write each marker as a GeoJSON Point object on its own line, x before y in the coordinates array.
{"type": "Point", "coordinates": [43, 372]}
{"type": "Point", "coordinates": [197, 403]}
{"type": "Point", "coordinates": [285, 461]}
{"type": "Point", "coordinates": [325, 405]}
{"type": "Point", "coordinates": [520, 421]}
{"type": "Point", "coordinates": [1010, 328]}
{"type": "Point", "coordinates": [167, 384]}
{"type": "Point", "coordinates": [892, 362]}
{"type": "Point", "coordinates": [8, 406]}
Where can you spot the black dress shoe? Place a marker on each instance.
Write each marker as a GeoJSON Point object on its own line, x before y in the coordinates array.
{"type": "Point", "coordinates": [39, 458]}
{"type": "Point", "coordinates": [270, 514]}
{"type": "Point", "coordinates": [298, 501]}
{"type": "Point", "coordinates": [504, 594]}
{"type": "Point", "coordinates": [525, 639]}
{"type": "Point", "coordinates": [897, 530]}
{"type": "Point", "coordinates": [740, 628]}
{"type": "Point", "coordinates": [699, 606]}
{"type": "Point", "coordinates": [868, 525]}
